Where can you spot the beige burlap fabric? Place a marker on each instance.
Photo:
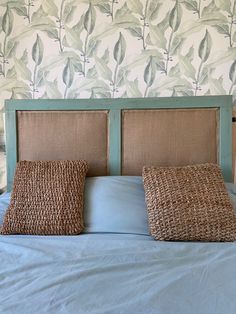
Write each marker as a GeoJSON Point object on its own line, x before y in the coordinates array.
{"type": "Point", "coordinates": [47, 198]}
{"type": "Point", "coordinates": [188, 203]}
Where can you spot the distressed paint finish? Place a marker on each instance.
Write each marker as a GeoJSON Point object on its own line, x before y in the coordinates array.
{"type": "Point", "coordinates": [115, 142]}
{"type": "Point", "coordinates": [11, 145]}
{"type": "Point", "coordinates": [115, 107]}
{"type": "Point", "coordinates": [225, 139]}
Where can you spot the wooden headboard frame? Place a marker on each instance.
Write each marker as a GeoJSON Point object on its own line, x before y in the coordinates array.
{"type": "Point", "coordinates": [115, 107]}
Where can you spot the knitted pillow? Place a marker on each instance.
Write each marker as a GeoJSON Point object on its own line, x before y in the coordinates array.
{"type": "Point", "coordinates": [47, 198]}
{"type": "Point", "coordinates": [188, 203]}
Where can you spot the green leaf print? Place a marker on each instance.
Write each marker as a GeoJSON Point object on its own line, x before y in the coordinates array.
{"type": "Point", "coordinates": [20, 93]}
{"type": "Point", "coordinates": [221, 15]}
{"type": "Point", "coordinates": [7, 25]}
{"type": "Point", "coordinates": [23, 8]}
{"type": "Point", "coordinates": [234, 37]}
{"type": "Point", "coordinates": [37, 51]}
{"type": "Point", "coordinates": [119, 49]}
{"type": "Point", "coordinates": [39, 78]}
{"type": "Point", "coordinates": [22, 70]}
{"type": "Point", "coordinates": [92, 73]}
{"type": "Point", "coordinates": [222, 29]}
{"type": "Point", "coordinates": [210, 11]}
{"type": "Point", "coordinates": [175, 17]}
{"type": "Point", "coordinates": [136, 32]}
{"type": "Point", "coordinates": [52, 90]}
{"type": "Point", "coordinates": [173, 41]}
{"type": "Point", "coordinates": [175, 71]}
{"type": "Point", "coordinates": [73, 37]}
{"type": "Point", "coordinates": [205, 47]}
{"type": "Point", "coordinates": [24, 57]}
{"type": "Point", "coordinates": [191, 5]}
{"type": "Point", "coordinates": [103, 70]}
{"type": "Point", "coordinates": [190, 53]}
{"type": "Point", "coordinates": [132, 89]}
{"type": "Point", "coordinates": [122, 76]}
{"type": "Point", "coordinates": [153, 10]}
{"type": "Point", "coordinates": [51, 32]}
{"type": "Point", "coordinates": [203, 77]}
{"type": "Point", "coordinates": [21, 11]}
{"type": "Point", "coordinates": [186, 67]}
{"type": "Point", "coordinates": [68, 74]}
{"type": "Point", "coordinates": [68, 13]}
{"type": "Point", "coordinates": [104, 8]}
{"type": "Point", "coordinates": [157, 36]}
{"type": "Point", "coordinates": [7, 22]}
{"type": "Point", "coordinates": [60, 22]}
{"type": "Point", "coordinates": [92, 47]}
{"type": "Point", "coordinates": [11, 73]}
{"type": "Point", "coordinates": [11, 48]}
{"type": "Point", "coordinates": [135, 6]}
{"type": "Point", "coordinates": [50, 7]}
{"type": "Point", "coordinates": [106, 55]}
{"type": "Point", "coordinates": [203, 53]}
{"type": "Point", "coordinates": [216, 86]}
{"type": "Point", "coordinates": [90, 19]}
{"type": "Point", "coordinates": [124, 17]}
{"type": "Point", "coordinates": [111, 48]}
{"type": "Point", "coordinates": [149, 74]}
{"type": "Point", "coordinates": [232, 72]}
{"type": "Point", "coordinates": [119, 55]}
{"type": "Point", "coordinates": [37, 56]}
{"type": "Point", "coordinates": [224, 5]}
{"type": "Point", "coordinates": [232, 76]}
{"type": "Point", "coordinates": [176, 45]}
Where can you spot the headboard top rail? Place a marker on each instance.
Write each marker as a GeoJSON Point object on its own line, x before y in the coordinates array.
{"type": "Point", "coordinates": [120, 103]}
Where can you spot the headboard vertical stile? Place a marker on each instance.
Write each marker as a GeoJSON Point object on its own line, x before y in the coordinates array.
{"type": "Point", "coordinates": [114, 142]}
{"type": "Point", "coordinates": [11, 145]}
{"type": "Point", "coordinates": [225, 139]}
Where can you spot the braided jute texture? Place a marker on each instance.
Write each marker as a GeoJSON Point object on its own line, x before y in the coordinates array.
{"type": "Point", "coordinates": [188, 203]}
{"type": "Point", "coordinates": [47, 198]}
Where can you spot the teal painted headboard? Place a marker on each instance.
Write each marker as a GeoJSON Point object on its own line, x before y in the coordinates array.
{"type": "Point", "coordinates": [114, 107]}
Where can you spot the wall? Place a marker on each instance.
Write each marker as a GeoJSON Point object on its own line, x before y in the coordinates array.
{"type": "Point", "coordinates": [118, 48]}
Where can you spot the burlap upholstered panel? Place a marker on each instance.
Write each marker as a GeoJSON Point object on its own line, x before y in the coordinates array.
{"type": "Point", "coordinates": [68, 135]}
{"type": "Point", "coordinates": [168, 138]}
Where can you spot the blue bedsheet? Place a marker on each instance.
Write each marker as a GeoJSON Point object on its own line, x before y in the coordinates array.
{"type": "Point", "coordinates": [115, 273]}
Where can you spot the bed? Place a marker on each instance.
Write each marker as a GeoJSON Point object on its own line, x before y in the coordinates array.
{"type": "Point", "coordinates": [114, 265]}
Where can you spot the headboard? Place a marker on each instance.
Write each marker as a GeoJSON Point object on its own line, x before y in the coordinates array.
{"type": "Point", "coordinates": [119, 136]}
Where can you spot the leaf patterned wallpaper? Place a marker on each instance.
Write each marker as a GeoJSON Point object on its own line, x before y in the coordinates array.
{"type": "Point", "coordinates": [117, 48]}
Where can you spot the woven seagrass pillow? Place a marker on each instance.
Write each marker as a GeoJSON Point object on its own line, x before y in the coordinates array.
{"type": "Point", "coordinates": [47, 198]}
{"type": "Point", "coordinates": [188, 203]}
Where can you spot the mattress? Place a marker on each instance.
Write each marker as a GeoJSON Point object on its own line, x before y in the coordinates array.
{"type": "Point", "coordinates": [109, 272]}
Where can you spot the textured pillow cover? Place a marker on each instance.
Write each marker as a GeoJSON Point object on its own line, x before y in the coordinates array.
{"type": "Point", "coordinates": [188, 203]}
{"type": "Point", "coordinates": [47, 198]}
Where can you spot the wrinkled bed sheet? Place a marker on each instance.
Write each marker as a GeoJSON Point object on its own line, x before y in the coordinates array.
{"type": "Point", "coordinates": [115, 273]}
